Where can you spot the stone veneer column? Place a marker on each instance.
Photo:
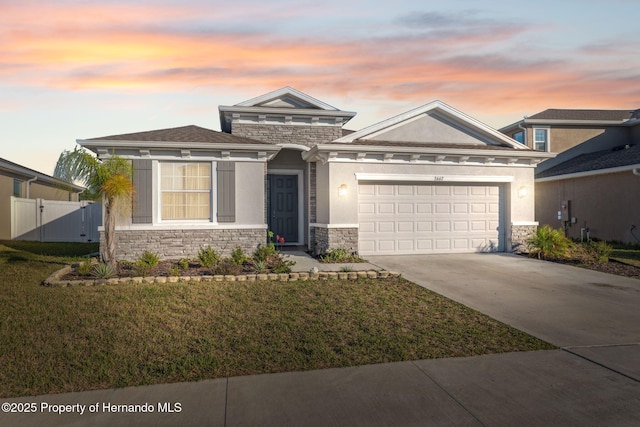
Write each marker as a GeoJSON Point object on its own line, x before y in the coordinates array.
{"type": "Point", "coordinates": [519, 236]}
{"type": "Point", "coordinates": [334, 238]}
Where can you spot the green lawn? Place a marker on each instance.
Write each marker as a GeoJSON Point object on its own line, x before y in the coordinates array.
{"type": "Point", "coordinates": [80, 338]}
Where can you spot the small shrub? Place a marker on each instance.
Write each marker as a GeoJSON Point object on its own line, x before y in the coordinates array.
{"type": "Point", "coordinates": [264, 252]}
{"type": "Point", "coordinates": [339, 255]}
{"type": "Point", "coordinates": [226, 267]}
{"type": "Point", "coordinates": [183, 264]}
{"type": "Point", "coordinates": [103, 271]}
{"type": "Point", "coordinates": [174, 271]}
{"type": "Point", "coordinates": [85, 267]}
{"type": "Point", "coordinates": [601, 251]}
{"type": "Point", "coordinates": [238, 256]}
{"type": "Point", "coordinates": [148, 258]}
{"type": "Point", "coordinates": [208, 257]}
{"type": "Point", "coordinates": [549, 243]}
{"type": "Point", "coordinates": [283, 266]}
{"type": "Point", "coordinates": [260, 266]}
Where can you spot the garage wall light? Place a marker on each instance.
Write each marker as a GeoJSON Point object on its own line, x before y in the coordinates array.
{"type": "Point", "coordinates": [342, 191]}
{"type": "Point", "coordinates": [522, 192]}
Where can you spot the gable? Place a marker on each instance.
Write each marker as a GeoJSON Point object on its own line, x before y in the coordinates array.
{"type": "Point", "coordinates": [433, 124]}
{"type": "Point", "coordinates": [432, 128]}
{"type": "Point", "coordinates": [287, 97]}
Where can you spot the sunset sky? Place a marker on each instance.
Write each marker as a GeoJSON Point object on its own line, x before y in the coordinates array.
{"type": "Point", "coordinates": [80, 69]}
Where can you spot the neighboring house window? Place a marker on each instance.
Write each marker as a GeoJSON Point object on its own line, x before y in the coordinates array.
{"type": "Point", "coordinates": [17, 188]}
{"type": "Point", "coordinates": [541, 139]}
{"type": "Point", "coordinates": [185, 191]}
{"type": "Point", "coordinates": [519, 136]}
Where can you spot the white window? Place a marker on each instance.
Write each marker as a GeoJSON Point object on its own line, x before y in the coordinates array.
{"type": "Point", "coordinates": [519, 136]}
{"type": "Point", "coordinates": [17, 188]}
{"type": "Point", "coordinates": [185, 191]}
{"type": "Point", "coordinates": [541, 139]}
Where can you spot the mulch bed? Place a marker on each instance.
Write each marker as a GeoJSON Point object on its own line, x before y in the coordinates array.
{"type": "Point", "coordinates": [612, 267]}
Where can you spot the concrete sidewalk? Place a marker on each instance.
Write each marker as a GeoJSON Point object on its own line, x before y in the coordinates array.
{"type": "Point", "coordinates": [546, 388]}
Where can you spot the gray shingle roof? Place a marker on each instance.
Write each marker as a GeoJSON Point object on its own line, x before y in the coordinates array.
{"type": "Point", "coordinates": [589, 115]}
{"type": "Point", "coordinates": [606, 159]}
{"type": "Point", "coordinates": [181, 134]}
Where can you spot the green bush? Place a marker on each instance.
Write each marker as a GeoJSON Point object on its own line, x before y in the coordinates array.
{"type": "Point", "coordinates": [174, 271]}
{"type": "Point", "coordinates": [339, 255]}
{"type": "Point", "coordinates": [549, 243]}
{"type": "Point", "coordinates": [238, 257]}
{"type": "Point", "coordinates": [85, 267]}
{"type": "Point", "coordinates": [148, 258]}
{"type": "Point", "coordinates": [208, 257]}
{"type": "Point", "coordinates": [264, 252]}
{"type": "Point", "coordinates": [183, 264]}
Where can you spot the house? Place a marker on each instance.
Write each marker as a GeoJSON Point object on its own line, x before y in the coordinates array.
{"type": "Point", "coordinates": [591, 188]}
{"type": "Point", "coordinates": [430, 180]}
{"type": "Point", "coordinates": [21, 182]}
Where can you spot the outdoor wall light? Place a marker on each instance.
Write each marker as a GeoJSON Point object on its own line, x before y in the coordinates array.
{"type": "Point", "coordinates": [522, 192]}
{"type": "Point", "coordinates": [342, 190]}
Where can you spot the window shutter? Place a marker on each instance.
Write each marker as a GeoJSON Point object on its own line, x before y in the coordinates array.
{"type": "Point", "coordinates": [142, 199]}
{"type": "Point", "coordinates": [226, 194]}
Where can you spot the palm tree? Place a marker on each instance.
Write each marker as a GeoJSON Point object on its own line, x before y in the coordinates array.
{"type": "Point", "coordinates": [109, 180]}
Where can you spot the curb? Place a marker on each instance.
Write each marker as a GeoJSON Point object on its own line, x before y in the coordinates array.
{"type": "Point", "coordinates": [55, 279]}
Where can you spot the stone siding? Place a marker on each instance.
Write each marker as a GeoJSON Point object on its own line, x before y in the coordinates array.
{"type": "Point", "coordinates": [308, 135]}
{"type": "Point", "coordinates": [334, 238]}
{"type": "Point", "coordinates": [174, 244]}
{"type": "Point", "coordinates": [519, 236]}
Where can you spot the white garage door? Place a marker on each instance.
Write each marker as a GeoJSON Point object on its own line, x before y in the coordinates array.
{"type": "Point", "coordinates": [429, 218]}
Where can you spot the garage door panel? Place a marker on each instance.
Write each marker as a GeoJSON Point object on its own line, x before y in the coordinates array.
{"type": "Point", "coordinates": [428, 218]}
{"type": "Point", "coordinates": [386, 227]}
{"type": "Point", "coordinates": [405, 227]}
{"type": "Point", "coordinates": [405, 245]}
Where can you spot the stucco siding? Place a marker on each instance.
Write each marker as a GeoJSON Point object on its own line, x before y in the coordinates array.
{"type": "Point", "coordinates": [608, 205]}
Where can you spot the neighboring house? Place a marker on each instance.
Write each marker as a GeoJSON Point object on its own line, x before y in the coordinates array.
{"type": "Point", "coordinates": [431, 180]}
{"type": "Point", "coordinates": [591, 189]}
{"type": "Point", "coordinates": [22, 182]}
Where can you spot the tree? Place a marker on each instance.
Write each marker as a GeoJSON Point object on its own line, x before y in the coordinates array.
{"type": "Point", "coordinates": [109, 180]}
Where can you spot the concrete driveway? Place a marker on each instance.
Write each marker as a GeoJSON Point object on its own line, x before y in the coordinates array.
{"type": "Point", "coordinates": [591, 314]}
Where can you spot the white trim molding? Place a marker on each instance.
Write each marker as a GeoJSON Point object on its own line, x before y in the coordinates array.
{"type": "Point", "coordinates": [315, 224]}
{"type": "Point", "coordinates": [431, 178]}
{"type": "Point", "coordinates": [589, 173]}
{"type": "Point", "coordinates": [524, 223]}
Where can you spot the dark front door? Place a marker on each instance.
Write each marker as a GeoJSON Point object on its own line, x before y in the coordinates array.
{"type": "Point", "coordinates": [283, 206]}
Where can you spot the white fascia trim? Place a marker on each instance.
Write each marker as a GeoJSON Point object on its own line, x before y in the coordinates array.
{"type": "Point", "coordinates": [315, 224]}
{"type": "Point", "coordinates": [517, 223]}
{"type": "Point", "coordinates": [315, 154]}
{"type": "Point", "coordinates": [287, 90]}
{"type": "Point", "coordinates": [431, 178]}
{"type": "Point", "coordinates": [574, 122]}
{"type": "Point", "coordinates": [589, 173]}
{"type": "Point", "coordinates": [287, 111]}
{"type": "Point", "coordinates": [177, 145]}
{"type": "Point", "coordinates": [187, 226]}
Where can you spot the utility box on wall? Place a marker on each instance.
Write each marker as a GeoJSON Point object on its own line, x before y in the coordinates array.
{"type": "Point", "coordinates": [564, 213]}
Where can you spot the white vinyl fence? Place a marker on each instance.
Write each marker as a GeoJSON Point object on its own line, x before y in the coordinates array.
{"type": "Point", "coordinates": [55, 221]}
